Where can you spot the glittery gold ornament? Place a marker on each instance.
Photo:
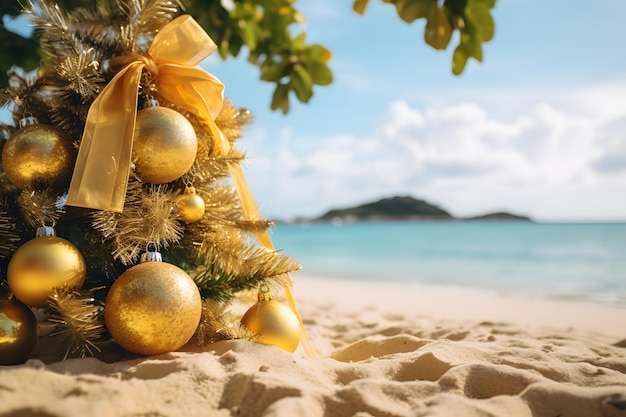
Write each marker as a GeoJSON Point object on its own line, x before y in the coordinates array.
{"type": "Point", "coordinates": [37, 155]}
{"type": "Point", "coordinates": [273, 322]}
{"type": "Point", "coordinates": [18, 332]}
{"type": "Point", "coordinates": [190, 206]}
{"type": "Point", "coordinates": [42, 264]}
{"type": "Point", "coordinates": [165, 144]}
{"type": "Point", "coordinates": [154, 307]}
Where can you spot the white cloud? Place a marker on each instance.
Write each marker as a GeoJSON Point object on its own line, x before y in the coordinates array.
{"type": "Point", "coordinates": [549, 162]}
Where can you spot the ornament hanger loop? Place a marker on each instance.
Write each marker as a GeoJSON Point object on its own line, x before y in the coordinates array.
{"type": "Point", "coordinates": [28, 121]}
{"type": "Point", "coordinates": [188, 179]}
{"type": "Point", "coordinates": [151, 247]}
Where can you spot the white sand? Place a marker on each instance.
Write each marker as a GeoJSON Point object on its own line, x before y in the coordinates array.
{"type": "Point", "coordinates": [384, 351]}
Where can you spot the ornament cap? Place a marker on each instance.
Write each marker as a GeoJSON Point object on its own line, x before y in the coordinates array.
{"type": "Point", "coordinates": [190, 189]}
{"type": "Point", "coordinates": [28, 121]}
{"type": "Point", "coordinates": [45, 231]}
{"type": "Point", "coordinates": [151, 103]}
{"type": "Point", "coordinates": [264, 293]}
{"type": "Point", "coordinates": [151, 257]}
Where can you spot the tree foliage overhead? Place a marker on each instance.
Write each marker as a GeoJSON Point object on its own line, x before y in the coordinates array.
{"type": "Point", "coordinates": [472, 18]}
{"type": "Point", "coordinates": [264, 28]}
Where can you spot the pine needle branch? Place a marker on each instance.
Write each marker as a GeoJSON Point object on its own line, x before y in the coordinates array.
{"type": "Point", "coordinates": [56, 36]}
{"type": "Point", "coordinates": [82, 75]}
{"type": "Point", "coordinates": [79, 319]}
{"type": "Point", "coordinates": [148, 16]}
{"type": "Point", "coordinates": [147, 219]}
{"type": "Point", "coordinates": [231, 267]}
{"type": "Point", "coordinates": [8, 235]}
{"type": "Point", "coordinates": [218, 323]}
{"type": "Point", "coordinates": [40, 208]}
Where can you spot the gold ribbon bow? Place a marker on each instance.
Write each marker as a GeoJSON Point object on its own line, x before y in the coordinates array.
{"type": "Point", "coordinates": [102, 167]}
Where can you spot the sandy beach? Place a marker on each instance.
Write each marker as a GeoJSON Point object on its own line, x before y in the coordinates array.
{"type": "Point", "coordinates": [382, 351]}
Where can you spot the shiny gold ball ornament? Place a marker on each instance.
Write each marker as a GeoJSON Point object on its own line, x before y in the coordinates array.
{"type": "Point", "coordinates": [165, 144]}
{"type": "Point", "coordinates": [37, 156]}
{"type": "Point", "coordinates": [190, 206]}
{"type": "Point", "coordinates": [274, 323]}
{"type": "Point", "coordinates": [154, 307]}
{"type": "Point", "coordinates": [43, 264]}
{"type": "Point", "coordinates": [18, 332]}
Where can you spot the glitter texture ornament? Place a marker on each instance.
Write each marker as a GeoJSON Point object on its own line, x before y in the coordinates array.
{"type": "Point", "coordinates": [18, 332]}
{"type": "Point", "coordinates": [274, 323]}
{"type": "Point", "coordinates": [165, 144]}
{"type": "Point", "coordinates": [37, 156]}
{"type": "Point", "coordinates": [154, 307]}
{"type": "Point", "coordinates": [190, 206]}
{"type": "Point", "coordinates": [42, 264]}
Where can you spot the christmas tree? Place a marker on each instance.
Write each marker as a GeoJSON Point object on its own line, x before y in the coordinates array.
{"type": "Point", "coordinates": [124, 212]}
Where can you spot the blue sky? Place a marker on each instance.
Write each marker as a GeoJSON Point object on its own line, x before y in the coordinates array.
{"type": "Point", "coordinates": [539, 128]}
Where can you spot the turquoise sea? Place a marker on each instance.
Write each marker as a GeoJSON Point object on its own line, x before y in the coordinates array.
{"type": "Point", "coordinates": [577, 261]}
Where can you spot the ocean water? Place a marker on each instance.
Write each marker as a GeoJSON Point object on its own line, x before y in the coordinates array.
{"type": "Point", "coordinates": [551, 260]}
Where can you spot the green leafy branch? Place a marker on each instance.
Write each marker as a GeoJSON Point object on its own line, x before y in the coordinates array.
{"type": "Point", "coordinates": [283, 56]}
{"type": "Point", "coordinates": [263, 26]}
{"type": "Point", "coordinates": [472, 18]}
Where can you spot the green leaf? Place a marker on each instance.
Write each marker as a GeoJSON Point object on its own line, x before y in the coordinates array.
{"type": "Point", "coordinates": [472, 46]}
{"type": "Point", "coordinates": [234, 45]}
{"type": "Point", "coordinates": [459, 59]}
{"type": "Point", "coordinates": [315, 52]}
{"type": "Point", "coordinates": [299, 42]}
{"type": "Point", "coordinates": [410, 10]}
{"type": "Point", "coordinates": [280, 98]}
{"type": "Point", "coordinates": [479, 14]}
{"type": "Point", "coordinates": [489, 3]}
{"type": "Point", "coordinates": [302, 83]}
{"type": "Point", "coordinates": [248, 33]}
{"type": "Point", "coordinates": [224, 45]}
{"type": "Point", "coordinates": [438, 29]}
{"type": "Point", "coordinates": [455, 7]}
{"type": "Point", "coordinates": [360, 6]}
{"type": "Point", "coordinates": [274, 71]}
{"type": "Point", "coordinates": [320, 73]}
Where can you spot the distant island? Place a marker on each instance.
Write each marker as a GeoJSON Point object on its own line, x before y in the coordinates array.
{"type": "Point", "coordinates": [502, 215]}
{"type": "Point", "coordinates": [404, 208]}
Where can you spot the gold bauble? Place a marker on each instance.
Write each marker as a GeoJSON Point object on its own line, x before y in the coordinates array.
{"type": "Point", "coordinates": [42, 264]}
{"type": "Point", "coordinates": [154, 307]}
{"type": "Point", "coordinates": [165, 144]}
{"type": "Point", "coordinates": [18, 332]}
{"type": "Point", "coordinates": [274, 323]}
{"type": "Point", "coordinates": [190, 206]}
{"type": "Point", "coordinates": [37, 156]}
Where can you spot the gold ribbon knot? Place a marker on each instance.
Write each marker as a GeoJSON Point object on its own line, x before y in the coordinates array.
{"type": "Point", "coordinates": [102, 166]}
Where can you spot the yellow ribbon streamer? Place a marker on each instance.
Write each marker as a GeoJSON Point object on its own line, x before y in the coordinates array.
{"type": "Point", "coordinates": [102, 167]}
{"type": "Point", "coordinates": [252, 213]}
